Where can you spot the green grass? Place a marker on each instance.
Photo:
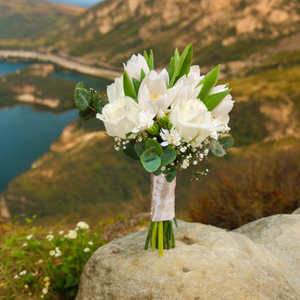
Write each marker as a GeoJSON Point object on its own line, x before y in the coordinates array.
{"type": "Point", "coordinates": [42, 261]}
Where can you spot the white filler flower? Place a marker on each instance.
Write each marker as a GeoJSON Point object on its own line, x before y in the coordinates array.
{"type": "Point", "coordinates": [72, 234]}
{"type": "Point", "coordinates": [83, 225]}
{"type": "Point", "coordinates": [171, 137]}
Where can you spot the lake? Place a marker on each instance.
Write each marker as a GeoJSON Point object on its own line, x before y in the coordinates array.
{"type": "Point", "coordinates": [26, 133]}
{"type": "Point", "coordinates": [86, 3]}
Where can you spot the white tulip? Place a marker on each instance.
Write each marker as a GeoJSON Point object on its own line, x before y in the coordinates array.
{"type": "Point", "coordinates": [134, 66]}
{"type": "Point", "coordinates": [119, 117]}
{"type": "Point", "coordinates": [192, 120]}
{"type": "Point", "coordinates": [115, 90]}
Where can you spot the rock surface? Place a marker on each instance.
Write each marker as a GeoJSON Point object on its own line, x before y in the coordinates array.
{"type": "Point", "coordinates": [258, 261]}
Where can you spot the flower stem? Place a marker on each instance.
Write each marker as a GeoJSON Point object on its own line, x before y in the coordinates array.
{"type": "Point", "coordinates": [154, 236]}
{"type": "Point", "coordinates": [149, 235]}
{"type": "Point", "coordinates": [160, 239]}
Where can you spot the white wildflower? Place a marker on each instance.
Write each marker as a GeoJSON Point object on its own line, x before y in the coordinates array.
{"type": "Point", "coordinates": [22, 272]}
{"type": "Point", "coordinates": [46, 278]}
{"type": "Point", "coordinates": [83, 225]}
{"type": "Point", "coordinates": [16, 276]}
{"type": "Point", "coordinates": [171, 137]}
{"type": "Point", "coordinates": [29, 237]}
{"type": "Point", "coordinates": [25, 244]}
{"type": "Point", "coordinates": [72, 234]}
{"type": "Point", "coordinates": [86, 250]}
{"type": "Point", "coordinates": [45, 291]}
{"type": "Point", "coordinates": [50, 237]}
{"type": "Point", "coordinates": [52, 253]}
{"type": "Point", "coordinates": [61, 232]}
{"type": "Point", "coordinates": [90, 243]}
{"type": "Point", "coordinates": [25, 286]}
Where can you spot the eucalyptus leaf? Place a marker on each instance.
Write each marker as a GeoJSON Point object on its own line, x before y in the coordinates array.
{"type": "Point", "coordinates": [227, 142]}
{"type": "Point", "coordinates": [213, 100]}
{"type": "Point", "coordinates": [130, 151]}
{"type": "Point", "coordinates": [82, 97]}
{"type": "Point", "coordinates": [157, 172]}
{"type": "Point", "coordinates": [171, 174]}
{"type": "Point", "coordinates": [209, 82]}
{"type": "Point", "coordinates": [98, 105]}
{"type": "Point", "coordinates": [153, 143]}
{"type": "Point", "coordinates": [70, 103]}
{"type": "Point", "coordinates": [150, 159]}
{"type": "Point", "coordinates": [168, 156]}
{"type": "Point", "coordinates": [87, 114]}
{"type": "Point", "coordinates": [217, 149]}
{"type": "Point", "coordinates": [140, 148]}
{"type": "Point", "coordinates": [128, 87]}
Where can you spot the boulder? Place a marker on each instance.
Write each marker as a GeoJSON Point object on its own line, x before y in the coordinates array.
{"type": "Point", "coordinates": [259, 261]}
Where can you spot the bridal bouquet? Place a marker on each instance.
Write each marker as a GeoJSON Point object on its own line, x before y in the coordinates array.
{"type": "Point", "coordinates": [168, 120]}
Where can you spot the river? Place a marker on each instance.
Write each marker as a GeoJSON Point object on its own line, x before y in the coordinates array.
{"type": "Point", "coordinates": [26, 133]}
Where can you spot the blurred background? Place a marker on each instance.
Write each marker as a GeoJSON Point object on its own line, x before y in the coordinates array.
{"type": "Point", "coordinates": [58, 167]}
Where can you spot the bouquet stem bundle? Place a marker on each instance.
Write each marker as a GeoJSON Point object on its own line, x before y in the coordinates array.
{"type": "Point", "coordinates": [161, 236]}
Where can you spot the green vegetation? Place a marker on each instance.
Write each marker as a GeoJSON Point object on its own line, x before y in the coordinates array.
{"type": "Point", "coordinates": [250, 186]}
{"type": "Point", "coordinates": [43, 262]}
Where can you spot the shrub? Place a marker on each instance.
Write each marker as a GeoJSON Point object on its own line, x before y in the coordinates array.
{"type": "Point", "coordinates": [38, 264]}
{"type": "Point", "coordinates": [243, 190]}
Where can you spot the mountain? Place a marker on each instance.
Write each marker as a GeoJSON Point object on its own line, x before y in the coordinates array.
{"type": "Point", "coordinates": [220, 31]}
{"type": "Point", "coordinates": [26, 19]}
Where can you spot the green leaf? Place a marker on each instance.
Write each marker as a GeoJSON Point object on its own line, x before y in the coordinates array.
{"type": "Point", "coordinates": [87, 114]}
{"type": "Point", "coordinates": [157, 172]}
{"type": "Point", "coordinates": [171, 174]}
{"type": "Point", "coordinates": [97, 103]}
{"type": "Point", "coordinates": [136, 85]}
{"type": "Point", "coordinates": [82, 96]}
{"type": "Point", "coordinates": [128, 87]}
{"type": "Point", "coordinates": [176, 56]}
{"type": "Point", "coordinates": [70, 103]}
{"type": "Point", "coordinates": [150, 159]}
{"type": "Point", "coordinates": [153, 143]}
{"type": "Point", "coordinates": [151, 61]}
{"type": "Point", "coordinates": [227, 142]}
{"type": "Point", "coordinates": [171, 67]}
{"type": "Point", "coordinates": [146, 57]}
{"type": "Point", "coordinates": [185, 61]}
{"type": "Point", "coordinates": [130, 151]}
{"type": "Point", "coordinates": [213, 100]}
{"type": "Point", "coordinates": [186, 54]}
{"type": "Point", "coordinates": [209, 81]}
{"type": "Point", "coordinates": [140, 148]}
{"type": "Point", "coordinates": [217, 149]}
{"type": "Point", "coordinates": [143, 75]}
{"type": "Point", "coordinates": [168, 156]}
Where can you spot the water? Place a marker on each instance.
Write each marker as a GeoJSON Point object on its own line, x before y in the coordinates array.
{"type": "Point", "coordinates": [87, 3]}
{"type": "Point", "coordinates": [26, 133]}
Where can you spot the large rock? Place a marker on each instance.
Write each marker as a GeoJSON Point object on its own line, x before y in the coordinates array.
{"type": "Point", "coordinates": [259, 261]}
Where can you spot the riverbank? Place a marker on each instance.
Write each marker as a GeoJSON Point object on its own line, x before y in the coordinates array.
{"type": "Point", "coordinates": [68, 64]}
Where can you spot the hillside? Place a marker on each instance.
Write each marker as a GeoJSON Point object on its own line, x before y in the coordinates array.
{"type": "Point", "coordinates": [27, 19]}
{"type": "Point", "coordinates": [83, 176]}
{"type": "Point", "coordinates": [220, 31]}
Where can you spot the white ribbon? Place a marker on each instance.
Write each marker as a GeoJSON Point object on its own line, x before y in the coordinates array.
{"type": "Point", "coordinates": [162, 198]}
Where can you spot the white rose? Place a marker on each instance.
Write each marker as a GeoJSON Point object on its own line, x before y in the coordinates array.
{"type": "Point", "coordinates": [134, 66]}
{"type": "Point", "coordinates": [192, 120]}
{"type": "Point", "coordinates": [145, 121]}
{"type": "Point", "coordinates": [221, 111]}
{"type": "Point", "coordinates": [72, 234]}
{"type": "Point", "coordinates": [83, 225]}
{"type": "Point", "coordinates": [119, 117]}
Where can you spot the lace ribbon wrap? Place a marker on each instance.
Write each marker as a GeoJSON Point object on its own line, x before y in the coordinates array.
{"type": "Point", "coordinates": [162, 198]}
